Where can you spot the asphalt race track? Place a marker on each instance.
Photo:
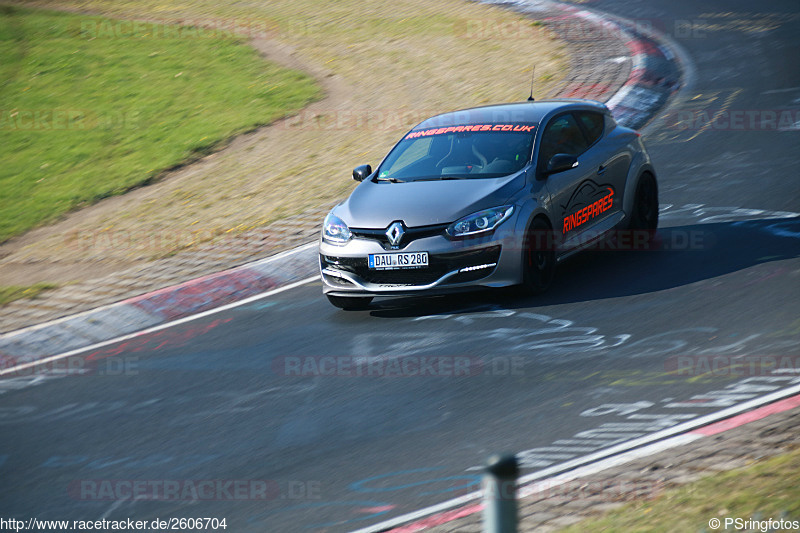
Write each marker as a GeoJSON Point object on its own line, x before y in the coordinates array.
{"type": "Point", "coordinates": [296, 441]}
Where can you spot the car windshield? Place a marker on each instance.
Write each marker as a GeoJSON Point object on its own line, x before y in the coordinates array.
{"type": "Point", "coordinates": [459, 152]}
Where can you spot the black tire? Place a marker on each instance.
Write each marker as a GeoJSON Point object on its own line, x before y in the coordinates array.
{"type": "Point", "coordinates": [539, 260]}
{"type": "Point", "coordinates": [645, 206]}
{"type": "Point", "coordinates": [350, 303]}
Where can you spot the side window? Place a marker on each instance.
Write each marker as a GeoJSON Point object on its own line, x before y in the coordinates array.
{"type": "Point", "coordinates": [562, 136]}
{"type": "Point", "coordinates": [593, 124]}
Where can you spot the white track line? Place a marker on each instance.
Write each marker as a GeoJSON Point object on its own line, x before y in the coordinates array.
{"type": "Point", "coordinates": [252, 264]}
{"type": "Point", "coordinates": [598, 461]}
{"type": "Point", "coordinates": [158, 327]}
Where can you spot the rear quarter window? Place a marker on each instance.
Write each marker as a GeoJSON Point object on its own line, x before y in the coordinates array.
{"type": "Point", "coordinates": [593, 124]}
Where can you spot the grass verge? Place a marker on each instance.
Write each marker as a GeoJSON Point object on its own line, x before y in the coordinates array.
{"type": "Point", "coordinates": [384, 65]}
{"type": "Point", "coordinates": [16, 292]}
{"type": "Point", "coordinates": [764, 490]}
{"type": "Point", "coordinates": [92, 108]}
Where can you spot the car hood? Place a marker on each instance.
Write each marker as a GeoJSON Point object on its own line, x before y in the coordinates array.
{"type": "Point", "coordinates": [424, 203]}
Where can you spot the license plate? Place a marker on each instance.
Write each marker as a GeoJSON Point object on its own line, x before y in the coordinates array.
{"type": "Point", "coordinates": [401, 260]}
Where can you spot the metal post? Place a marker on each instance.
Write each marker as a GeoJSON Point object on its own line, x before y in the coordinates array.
{"type": "Point", "coordinates": [500, 494]}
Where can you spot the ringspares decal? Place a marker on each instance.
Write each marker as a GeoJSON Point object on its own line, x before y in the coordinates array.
{"type": "Point", "coordinates": [589, 201]}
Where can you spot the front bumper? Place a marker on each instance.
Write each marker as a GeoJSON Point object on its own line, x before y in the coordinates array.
{"type": "Point", "coordinates": [454, 265]}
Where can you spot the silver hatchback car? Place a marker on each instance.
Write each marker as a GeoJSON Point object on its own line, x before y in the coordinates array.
{"type": "Point", "coordinates": [487, 197]}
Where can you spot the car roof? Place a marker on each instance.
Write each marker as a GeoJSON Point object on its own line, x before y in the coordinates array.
{"type": "Point", "coordinates": [518, 112]}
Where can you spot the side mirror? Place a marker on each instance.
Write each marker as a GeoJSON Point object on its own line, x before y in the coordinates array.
{"type": "Point", "coordinates": [362, 172]}
{"type": "Point", "coordinates": [560, 163]}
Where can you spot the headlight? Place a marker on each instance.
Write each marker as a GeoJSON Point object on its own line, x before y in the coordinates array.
{"type": "Point", "coordinates": [334, 230]}
{"type": "Point", "coordinates": [480, 222]}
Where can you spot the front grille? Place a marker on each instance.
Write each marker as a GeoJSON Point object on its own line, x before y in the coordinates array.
{"type": "Point", "coordinates": [410, 235]}
{"type": "Point", "coordinates": [416, 276]}
{"type": "Point", "coordinates": [439, 265]}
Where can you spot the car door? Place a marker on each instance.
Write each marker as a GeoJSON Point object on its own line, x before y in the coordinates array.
{"type": "Point", "coordinates": [563, 135]}
{"type": "Point", "coordinates": [611, 159]}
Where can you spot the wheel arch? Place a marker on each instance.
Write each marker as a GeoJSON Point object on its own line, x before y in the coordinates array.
{"type": "Point", "coordinates": [629, 197]}
{"type": "Point", "coordinates": [536, 215]}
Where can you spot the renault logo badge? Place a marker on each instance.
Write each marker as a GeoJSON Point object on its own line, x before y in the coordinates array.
{"type": "Point", "coordinates": [395, 233]}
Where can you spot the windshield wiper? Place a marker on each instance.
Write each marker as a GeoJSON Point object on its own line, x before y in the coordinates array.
{"type": "Point", "coordinates": [390, 179]}
{"type": "Point", "coordinates": [440, 178]}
